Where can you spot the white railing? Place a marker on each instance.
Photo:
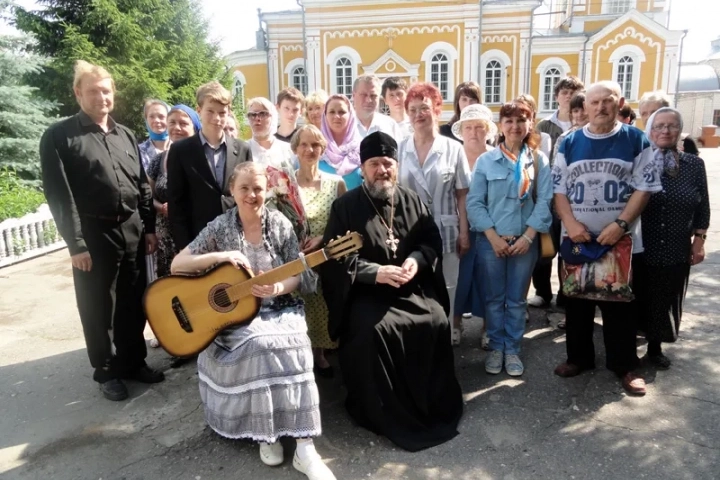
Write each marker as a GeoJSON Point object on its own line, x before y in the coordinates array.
{"type": "Point", "coordinates": [33, 235]}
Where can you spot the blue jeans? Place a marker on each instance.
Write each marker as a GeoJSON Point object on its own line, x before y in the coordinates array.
{"type": "Point", "coordinates": [506, 283]}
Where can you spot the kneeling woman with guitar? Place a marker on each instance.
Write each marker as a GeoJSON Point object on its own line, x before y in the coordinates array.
{"type": "Point", "coordinates": [256, 378]}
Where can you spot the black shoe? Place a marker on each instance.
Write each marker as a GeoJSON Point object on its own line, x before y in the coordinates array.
{"type": "Point", "coordinates": [114, 390]}
{"type": "Point", "coordinates": [327, 372]}
{"type": "Point", "coordinates": [145, 374]}
{"type": "Point", "coordinates": [660, 361]}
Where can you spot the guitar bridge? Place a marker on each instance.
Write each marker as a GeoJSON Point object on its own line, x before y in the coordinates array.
{"type": "Point", "coordinates": [181, 315]}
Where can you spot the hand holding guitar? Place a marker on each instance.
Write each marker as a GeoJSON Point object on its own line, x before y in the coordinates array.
{"type": "Point", "coordinates": [268, 291]}
{"type": "Point", "coordinates": [237, 258]}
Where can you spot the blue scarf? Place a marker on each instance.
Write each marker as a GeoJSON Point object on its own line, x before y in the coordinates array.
{"type": "Point", "coordinates": [156, 137]}
{"type": "Point", "coordinates": [194, 117]}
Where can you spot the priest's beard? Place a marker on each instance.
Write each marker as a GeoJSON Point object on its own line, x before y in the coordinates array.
{"type": "Point", "coordinates": [381, 189]}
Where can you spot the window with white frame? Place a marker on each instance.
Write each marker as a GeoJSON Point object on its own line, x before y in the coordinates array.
{"type": "Point", "coordinates": [617, 7]}
{"type": "Point", "coordinates": [299, 79]}
{"type": "Point", "coordinates": [440, 59]}
{"type": "Point", "coordinates": [238, 88]}
{"type": "Point", "coordinates": [439, 74]}
{"type": "Point", "coordinates": [493, 82]}
{"type": "Point", "coordinates": [625, 72]}
{"type": "Point", "coordinates": [550, 78]}
{"type": "Point", "coordinates": [627, 63]}
{"type": "Point", "coordinates": [343, 76]}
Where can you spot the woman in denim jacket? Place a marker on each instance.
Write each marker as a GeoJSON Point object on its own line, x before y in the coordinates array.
{"type": "Point", "coordinates": [508, 211]}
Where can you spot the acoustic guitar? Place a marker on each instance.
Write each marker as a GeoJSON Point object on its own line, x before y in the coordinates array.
{"type": "Point", "coordinates": [187, 312]}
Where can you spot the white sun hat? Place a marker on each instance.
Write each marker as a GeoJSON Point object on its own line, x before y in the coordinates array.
{"type": "Point", "coordinates": [475, 112]}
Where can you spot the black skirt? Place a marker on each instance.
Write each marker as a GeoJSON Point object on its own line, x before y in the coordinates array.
{"type": "Point", "coordinates": [660, 294]}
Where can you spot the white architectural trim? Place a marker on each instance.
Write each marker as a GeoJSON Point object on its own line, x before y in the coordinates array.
{"type": "Point", "coordinates": [638, 57]}
{"type": "Point", "coordinates": [292, 65]}
{"type": "Point", "coordinates": [556, 62]}
{"type": "Point", "coordinates": [332, 58]}
{"type": "Point", "coordinates": [452, 56]}
{"type": "Point", "coordinates": [505, 63]}
{"type": "Point", "coordinates": [412, 70]}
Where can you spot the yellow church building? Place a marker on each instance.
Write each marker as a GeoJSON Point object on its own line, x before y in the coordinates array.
{"type": "Point", "coordinates": [508, 46]}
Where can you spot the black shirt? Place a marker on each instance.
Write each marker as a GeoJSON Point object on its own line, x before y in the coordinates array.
{"type": "Point", "coordinates": [673, 214]}
{"type": "Point", "coordinates": [284, 138]}
{"type": "Point", "coordinates": [88, 172]}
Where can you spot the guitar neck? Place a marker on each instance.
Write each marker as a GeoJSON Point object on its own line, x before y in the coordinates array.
{"type": "Point", "coordinates": [296, 267]}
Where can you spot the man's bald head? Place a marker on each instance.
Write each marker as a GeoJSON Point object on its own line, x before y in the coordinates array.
{"type": "Point", "coordinates": [603, 101]}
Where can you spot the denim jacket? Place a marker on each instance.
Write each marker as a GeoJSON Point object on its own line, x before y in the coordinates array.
{"type": "Point", "coordinates": [493, 201]}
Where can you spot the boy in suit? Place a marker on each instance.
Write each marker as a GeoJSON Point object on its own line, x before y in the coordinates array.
{"type": "Point", "coordinates": [199, 167]}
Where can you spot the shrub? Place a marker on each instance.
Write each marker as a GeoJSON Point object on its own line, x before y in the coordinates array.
{"type": "Point", "coordinates": [17, 198]}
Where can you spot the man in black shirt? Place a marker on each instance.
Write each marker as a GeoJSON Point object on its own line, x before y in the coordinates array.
{"type": "Point", "coordinates": [102, 204]}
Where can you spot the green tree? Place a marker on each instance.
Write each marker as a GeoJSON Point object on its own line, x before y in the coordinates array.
{"type": "Point", "coordinates": [153, 48]}
{"type": "Point", "coordinates": [24, 115]}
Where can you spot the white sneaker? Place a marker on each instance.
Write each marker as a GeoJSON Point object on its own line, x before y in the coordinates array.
{"type": "Point", "coordinates": [271, 454]}
{"type": "Point", "coordinates": [538, 302]}
{"type": "Point", "coordinates": [313, 467]}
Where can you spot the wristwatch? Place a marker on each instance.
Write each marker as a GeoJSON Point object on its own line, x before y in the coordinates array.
{"type": "Point", "coordinates": [623, 224]}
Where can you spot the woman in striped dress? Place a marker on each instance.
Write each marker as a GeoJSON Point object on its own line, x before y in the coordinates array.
{"type": "Point", "coordinates": [256, 379]}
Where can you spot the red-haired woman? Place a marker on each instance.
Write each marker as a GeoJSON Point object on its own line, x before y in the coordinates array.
{"type": "Point", "coordinates": [436, 168]}
{"type": "Point", "coordinates": [507, 217]}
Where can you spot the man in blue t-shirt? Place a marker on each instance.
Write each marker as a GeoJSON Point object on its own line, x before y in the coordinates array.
{"type": "Point", "coordinates": [603, 177]}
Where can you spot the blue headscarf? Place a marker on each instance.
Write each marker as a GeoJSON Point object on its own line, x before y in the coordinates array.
{"type": "Point", "coordinates": [155, 137]}
{"type": "Point", "coordinates": [194, 117]}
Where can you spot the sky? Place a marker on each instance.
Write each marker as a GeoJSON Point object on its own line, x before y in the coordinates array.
{"type": "Point", "coordinates": [234, 22]}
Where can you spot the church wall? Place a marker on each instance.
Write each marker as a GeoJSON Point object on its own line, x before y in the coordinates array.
{"type": "Point", "coordinates": [622, 39]}
{"type": "Point", "coordinates": [256, 77]}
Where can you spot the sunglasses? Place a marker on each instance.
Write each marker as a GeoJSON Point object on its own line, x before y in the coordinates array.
{"type": "Point", "coordinates": [261, 115]}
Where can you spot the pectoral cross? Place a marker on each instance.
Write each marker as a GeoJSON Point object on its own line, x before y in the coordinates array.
{"type": "Point", "coordinates": [392, 242]}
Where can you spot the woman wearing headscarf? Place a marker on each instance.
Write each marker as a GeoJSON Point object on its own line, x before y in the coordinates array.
{"type": "Point", "coordinates": [339, 127]}
{"type": "Point", "coordinates": [182, 122]}
{"type": "Point", "coordinates": [674, 228]}
{"type": "Point", "coordinates": [277, 157]}
{"type": "Point", "coordinates": [155, 114]}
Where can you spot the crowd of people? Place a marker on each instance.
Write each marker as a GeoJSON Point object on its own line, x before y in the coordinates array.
{"type": "Point", "coordinates": [452, 218]}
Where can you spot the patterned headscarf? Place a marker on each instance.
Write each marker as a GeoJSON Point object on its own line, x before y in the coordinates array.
{"type": "Point", "coordinates": [669, 157]}
{"type": "Point", "coordinates": [194, 117]}
{"type": "Point", "coordinates": [344, 158]}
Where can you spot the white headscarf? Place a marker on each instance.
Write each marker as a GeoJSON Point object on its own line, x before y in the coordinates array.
{"type": "Point", "coordinates": [267, 105]}
{"type": "Point", "coordinates": [668, 157]}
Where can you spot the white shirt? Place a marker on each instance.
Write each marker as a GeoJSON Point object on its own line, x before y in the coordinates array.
{"type": "Point", "coordinates": [444, 171]}
{"type": "Point", "coordinates": [278, 155]}
{"type": "Point", "coordinates": [381, 123]}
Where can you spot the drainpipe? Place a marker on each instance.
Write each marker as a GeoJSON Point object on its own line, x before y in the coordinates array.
{"type": "Point", "coordinates": [304, 36]}
{"type": "Point", "coordinates": [481, 3]}
{"type": "Point", "coordinates": [584, 56]}
{"type": "Point", "coordinates": [266, 44]}
{"type": "Point", "coordinates": [677, 82]}
{"type": "Point", "coordinates": [530, 42]}
{"type": "Point", "coordinates": [572, 14]}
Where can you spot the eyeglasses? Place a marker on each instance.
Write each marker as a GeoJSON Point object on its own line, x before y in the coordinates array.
{"type": "Point", "coordinates": [662, 127]}
{"type": "Point", "coordinates": [416, 111]}
{"type": "Point", "coordinates": [261, 115]}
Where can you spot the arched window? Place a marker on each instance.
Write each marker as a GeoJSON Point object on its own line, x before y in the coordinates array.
{"type": "Point", "coordinates": [550, 78]}
{"type": "Point", "coordinates": [343, 76]}
{"type": "Point", "coordinates": [625, 72]}
{"type": "Point", "coordinates": [238, 88]}
{"type": "Point", "coordinates": [493, 82]}
{"type": "Point", "coordinates": [299, 79]}
{"type": "Point", "coordinates": [439, 68]}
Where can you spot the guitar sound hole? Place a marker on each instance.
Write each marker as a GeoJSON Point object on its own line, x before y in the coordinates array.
{"type": "Point", "coordinates": [219, 300]}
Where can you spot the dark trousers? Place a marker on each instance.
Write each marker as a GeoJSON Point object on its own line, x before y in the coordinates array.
{"type": "Point", "coordinates": [109, 296]}
{"type": "Point", "coordinates": [542, 274]}
{"type": "Point", "coordinates": [618, 334]}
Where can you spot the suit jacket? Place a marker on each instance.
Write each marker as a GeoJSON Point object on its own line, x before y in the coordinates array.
{"type": "Point", "coordinates": [194, 197]}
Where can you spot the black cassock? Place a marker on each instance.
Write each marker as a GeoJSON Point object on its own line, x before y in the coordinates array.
{"type": "Point", "coordinates": [395, 352]}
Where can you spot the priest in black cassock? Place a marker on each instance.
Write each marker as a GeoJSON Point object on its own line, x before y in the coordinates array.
{"type": "Point", "coordinates": [388, 307]}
